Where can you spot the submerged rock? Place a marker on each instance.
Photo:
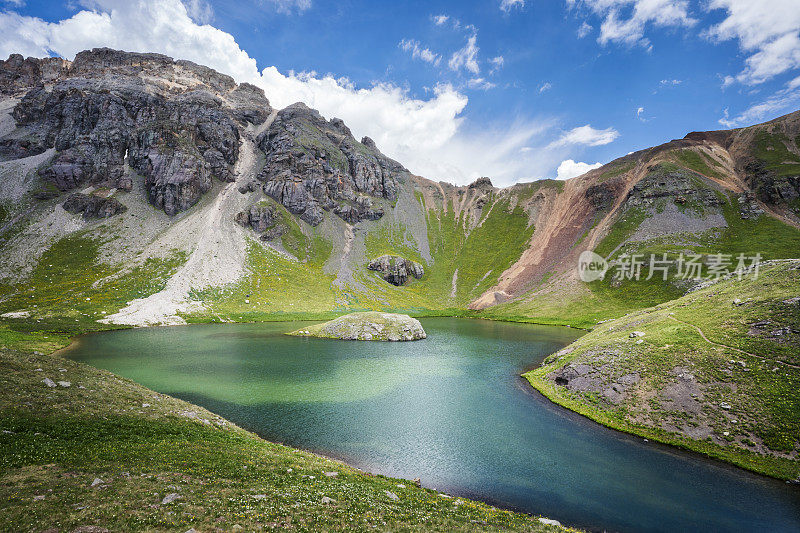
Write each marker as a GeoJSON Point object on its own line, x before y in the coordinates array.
{"type": "Point", "coordinates": [368, 326]}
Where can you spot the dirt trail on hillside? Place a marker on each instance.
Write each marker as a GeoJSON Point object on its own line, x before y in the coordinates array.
{"type": "Point", "coordinates": [218, 249]}
{"type": "Point", "coordinates": [703, 336]}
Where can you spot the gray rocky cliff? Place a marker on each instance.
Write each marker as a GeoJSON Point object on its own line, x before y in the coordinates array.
{"type": "Point", "coordinates": [175, 123]}
{"type": "Point", "coordinates": [313, 166]}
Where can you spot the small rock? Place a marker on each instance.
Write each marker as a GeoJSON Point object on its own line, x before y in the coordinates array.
{"type": "Point", "coordinates": [725, 405]}
{"type": "Point", "coordinates": [328, 501]}
{"type": "Point", "coordinates": [49, 382]}
{"type": "Point", "coordinates": [145, 405]}
{"type": "Point", "coordinates": [259, 496]}
{"type": "Point", "coordinates": [737, 302]}
{"type": "Point", "coordinates": [64, 383]}
{"type": "Point", "coordinates": [192, 530]}
{"type": "Point", "coordinates": [391, 495]}
{"type": "Point", "coordinates": [237, 527]}
{"type": "Point", "coordinates": [169, 498]}
{"type": "Point", "coordinates": [331, 474]}
{"type": "Point", "coordinates": [400, 485]}
{"type": "Point", "coordinates": [97, 481]}
{"type": "Point", "coordinates": [726, 433]}
{"type": "Point", "coordinates": [635, 334]}
{"type": "Point", "coordinates": [38, 498]}
{"type": "Point", "coordinates": [417, 481]}
{"type": "Point", "coordinates": [549, 522]}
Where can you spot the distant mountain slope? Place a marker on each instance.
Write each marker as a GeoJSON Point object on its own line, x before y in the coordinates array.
{"type": "Point", "coordinates": [213, 206]}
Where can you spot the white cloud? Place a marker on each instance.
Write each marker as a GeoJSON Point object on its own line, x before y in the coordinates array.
{"type": "Point", "coordinates": [429, 136]}
{"type": "Point", "coordinates": [288, 6]}
{"type": "Point", "coordinates": [199, 11]}
{"type": "Point", "coordinates": [546, 86]}
{"type": "Point", "coordinates": [497, 63]}
{"type": "Point", "coordinates": [440, 20]}
{"type": "Point", "coordinates": [769, 33]}
{"type": "Point", "coordinates": [418, 52]}
{"type": "Point", "coordinates": [508, 5]}
{"type": "Point", "coordinates": [625, 21]}
{"type": "Point", "coordinates": [584, 30]}
{"type": "Point", "coordinates": [571, 169]}
{"type": "Point", "coordinates": [14, 3]}
{"type": "Point", "coordinates": [480, 83]}
{"type": "Point", "coordinates": [587, 136]}
{"type": "Point", "coordinates": [667, 83]}
{"type": "Point", "coordinates": [466, 57]}
{"type": "Point", "coordinates": [785, 100]}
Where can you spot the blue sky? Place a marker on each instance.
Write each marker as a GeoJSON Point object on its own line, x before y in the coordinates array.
{"type": "Point", "coordinates": [507, 88]}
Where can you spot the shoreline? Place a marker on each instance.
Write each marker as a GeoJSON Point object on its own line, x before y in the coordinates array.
{"type": "Point", "coordinates": [707, 451]}
{"type": "Point", "coordinates": [712, 452]}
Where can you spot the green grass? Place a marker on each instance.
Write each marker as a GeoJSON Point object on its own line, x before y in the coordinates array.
{"type": "Point", "coordinates": [761, 392]}
{"type": "Point", "coordinates": [771, 149]}
{"type": "Point", "coordinates": [616, 169]}
{"type": "Point", "coordinates": [392, 238]}
{"type": "Point", "coordinates": [699, 162]}
{"type": "Point", "coordinates": [274, 287]}
{"type": "Point", "coordinates": [70, 288]}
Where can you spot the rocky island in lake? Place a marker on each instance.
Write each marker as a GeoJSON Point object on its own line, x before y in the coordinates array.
{"type": "Point", "coordinates": [367, 326]}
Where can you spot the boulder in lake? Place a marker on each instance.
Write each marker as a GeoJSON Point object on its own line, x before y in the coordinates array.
{"type": "Point", "coordinates": [368, 326]}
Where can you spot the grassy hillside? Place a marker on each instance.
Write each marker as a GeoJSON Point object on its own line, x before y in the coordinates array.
{"type": "Point", "coordinates": [714, 371]}
{"type": "Point", "coordinates": [587, 303]}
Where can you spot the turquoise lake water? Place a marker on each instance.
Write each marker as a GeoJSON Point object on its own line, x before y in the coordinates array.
{"type": "Point", "coordinates": [451, 410]}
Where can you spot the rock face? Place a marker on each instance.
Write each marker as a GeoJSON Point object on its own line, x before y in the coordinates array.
{"type": "Point", "coordinates": [395, 269]}
{"type": "Point", "coordinates": [173, 122]}
{"type": "Point", "coordinates": [769, 187]}
{"type": "Point", "coordinates": [263, 219]}
{"type": "Point", "coordinates": [679, 185]}
{"type": "Point", "coordinates": [369, 326]}
{"type": "Point", "coordinates": [313, 165]}
{"type": "Point", "coordinates": [93, 206]}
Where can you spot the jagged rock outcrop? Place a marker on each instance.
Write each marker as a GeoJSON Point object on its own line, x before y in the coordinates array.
{"type": "Point", "coordinates": [395, 269]}
{"type": "Point", "coordinates": [748, 206]}
{"type": "Point", "coordinates": [769, 187]}
{"type": "Point", "coordinates": [91, 206]}
{"type": "Point", "coordinates": [314, 165]}
{"type": "Point", "coordinates": [677, 184]}
{"type": "Point", "coordinates": [263, 219]}
{"type": "Point", "coordinates": [174, 122]}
